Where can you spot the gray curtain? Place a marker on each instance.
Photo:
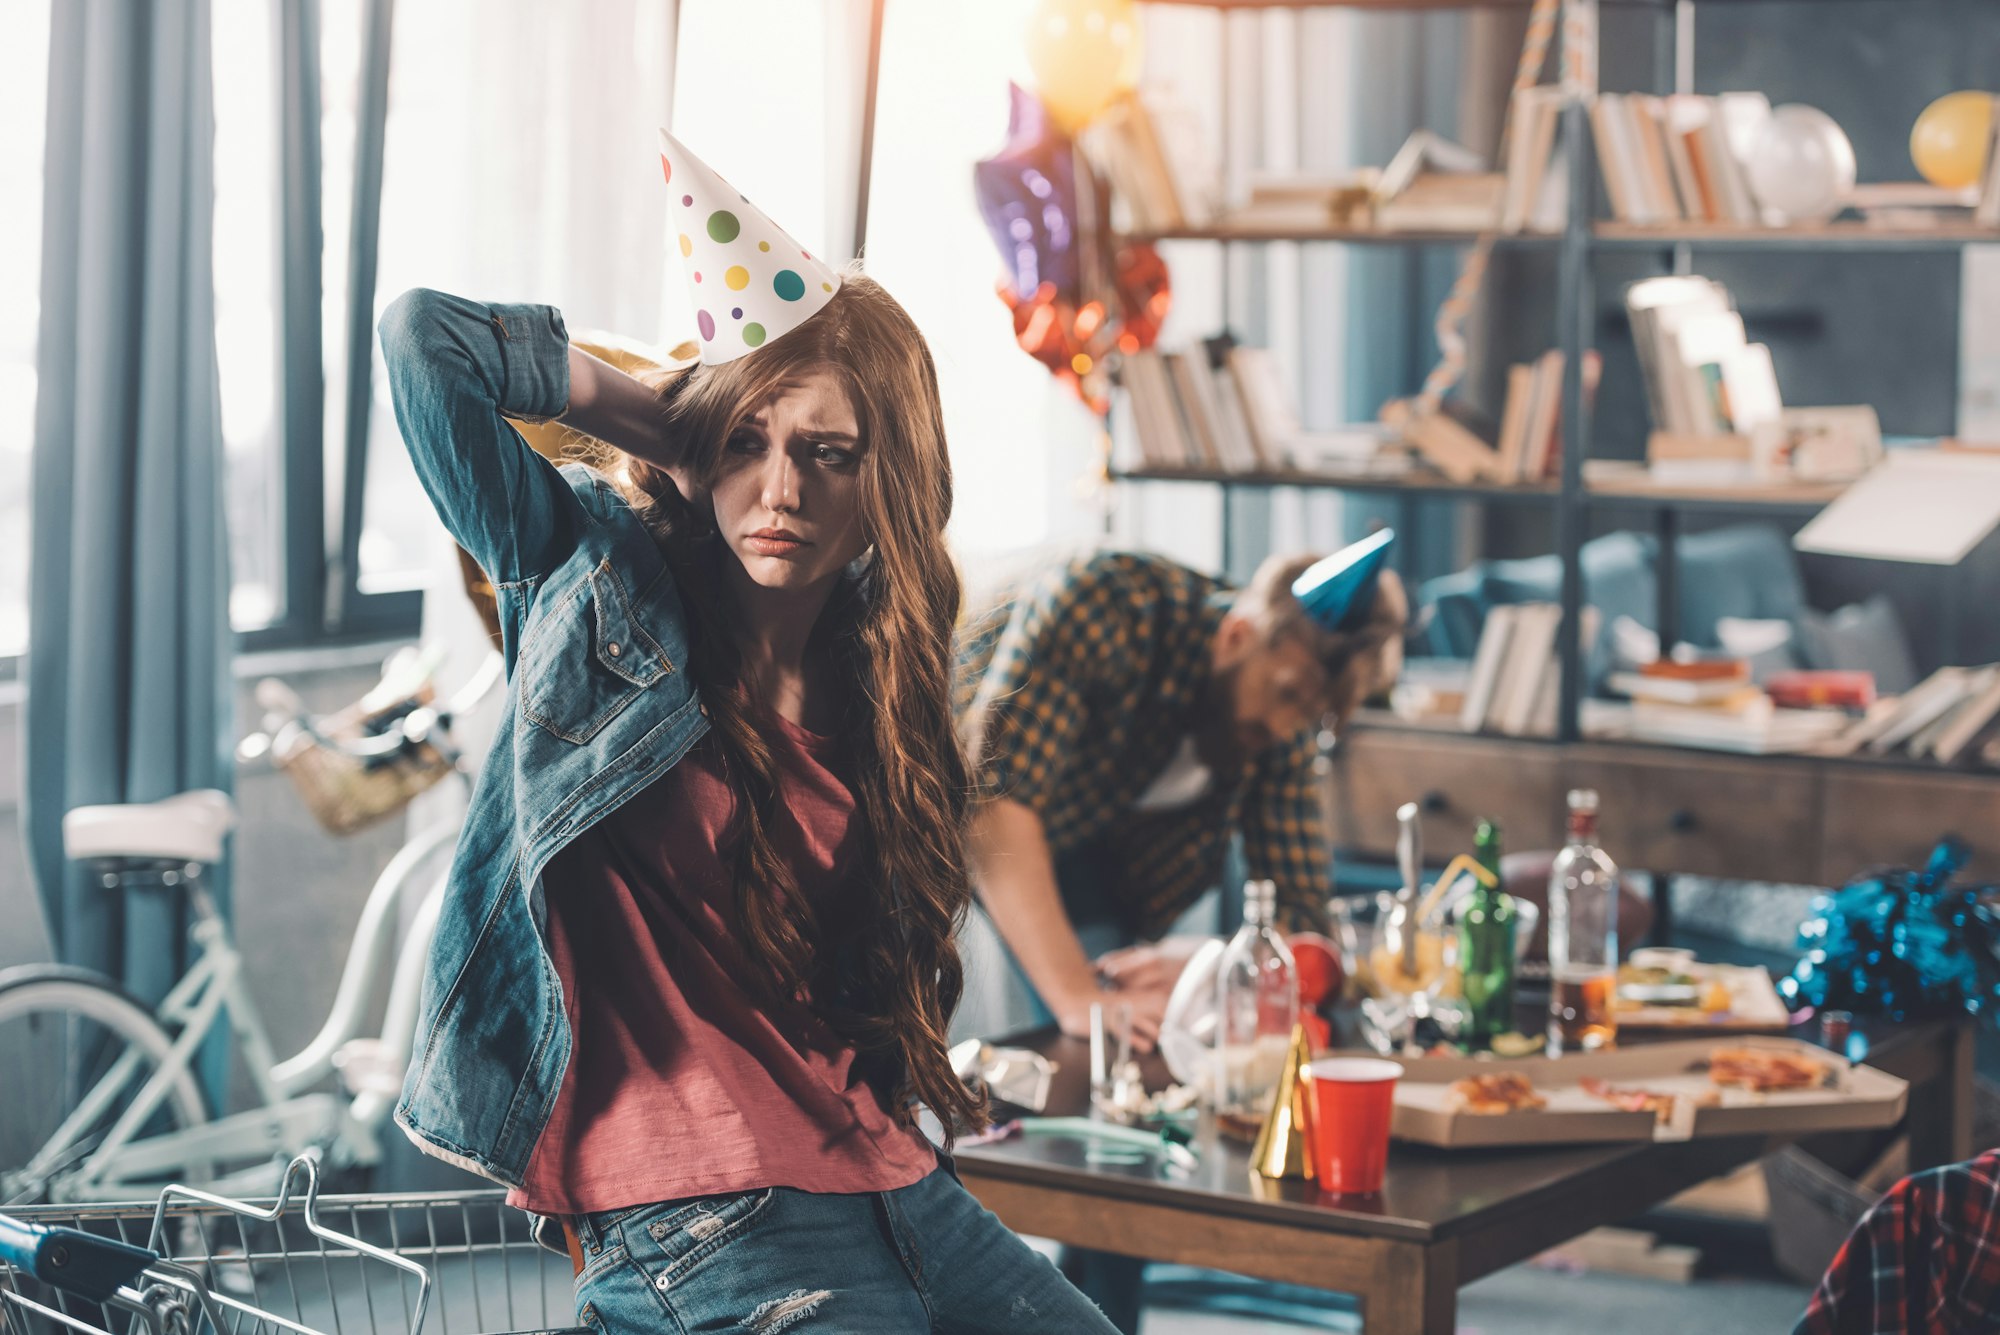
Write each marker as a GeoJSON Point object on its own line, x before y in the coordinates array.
{"type": "Point", "coordinates": [128, 661]}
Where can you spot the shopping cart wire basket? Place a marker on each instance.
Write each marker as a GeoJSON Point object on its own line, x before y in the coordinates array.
{"type": "Point", "coordinates": [193, 1263]}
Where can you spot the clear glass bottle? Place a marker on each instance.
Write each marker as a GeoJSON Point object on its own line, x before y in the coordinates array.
{"type": "Point", "coordinates": [1486, 948]}
{"type": "Point", "coordinates": [1257, 1003]}
{"type": "Point", "coordinates": [1583, 936]}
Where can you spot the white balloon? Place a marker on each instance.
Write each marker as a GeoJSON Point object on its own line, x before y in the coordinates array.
{"type": "Point", "coordinates": [1801, 165]}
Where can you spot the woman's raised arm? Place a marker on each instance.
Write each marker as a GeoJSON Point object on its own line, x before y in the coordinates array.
{"type": "Point", "coordinates": [457, 370]}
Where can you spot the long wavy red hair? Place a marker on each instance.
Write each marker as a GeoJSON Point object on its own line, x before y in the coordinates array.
{"type": "Point", "coordinates": [888, 977]}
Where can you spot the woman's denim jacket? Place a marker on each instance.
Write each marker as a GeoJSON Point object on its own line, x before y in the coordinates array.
{"type": "Point", "coordinates": [598, 706]}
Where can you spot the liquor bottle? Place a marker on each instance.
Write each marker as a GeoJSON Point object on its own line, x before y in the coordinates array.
{"type": "Point", "coordinates": [1486, 948]}
{"type": "Point", "coordinates": [1257, 997]}
{"type": "Point", "coordinates": [1583, 936]}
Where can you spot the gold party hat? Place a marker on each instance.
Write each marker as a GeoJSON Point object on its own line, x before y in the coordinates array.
{"type": "Point", "coordinates": [1284, 1146]}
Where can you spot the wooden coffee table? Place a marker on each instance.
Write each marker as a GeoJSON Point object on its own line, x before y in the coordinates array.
{"type": "Point", "coordinates": [1443, 1219]}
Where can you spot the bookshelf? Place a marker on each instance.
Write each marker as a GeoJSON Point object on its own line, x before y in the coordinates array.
{"type": "Point", "coordinates": [1780, 817]}
{"type": "Point", "coordinates": [1573, 497]}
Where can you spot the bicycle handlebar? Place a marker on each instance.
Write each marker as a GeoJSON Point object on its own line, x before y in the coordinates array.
{"type": "Point", "coordinates": [414, 726]}
{"type": "Point", "coordinates": [79, 1263]}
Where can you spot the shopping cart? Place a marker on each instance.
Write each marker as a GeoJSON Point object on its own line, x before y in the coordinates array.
{"type": "Point", "coordinates": [192, 1263]}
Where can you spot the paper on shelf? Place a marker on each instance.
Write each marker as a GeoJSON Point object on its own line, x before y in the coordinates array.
{"type": "Point", "coordinates": [1925, 506]}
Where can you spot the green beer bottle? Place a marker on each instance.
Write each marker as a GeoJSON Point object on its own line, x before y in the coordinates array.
{"type": "Point", "coordinates": [1486, 948]}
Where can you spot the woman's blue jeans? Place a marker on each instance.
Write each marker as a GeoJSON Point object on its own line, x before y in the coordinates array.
{"type": "Point", "coordinates": [926, 1257]}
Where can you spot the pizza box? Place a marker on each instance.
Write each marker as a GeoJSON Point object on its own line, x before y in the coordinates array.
{"type": "Point", "coordinates": [1754, 1006]}
{"type": "Point", "coordinates": [1855, 1097]}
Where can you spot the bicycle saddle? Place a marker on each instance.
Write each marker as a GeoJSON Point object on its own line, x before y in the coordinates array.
{"type": "Point", "coordinates": [187, 827]}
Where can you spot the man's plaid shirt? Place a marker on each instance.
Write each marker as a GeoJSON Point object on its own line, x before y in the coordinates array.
{"type": "Point", "coordinates": [1076, 689]}
{"type": "Point", "coordinates": [1925, 1258]}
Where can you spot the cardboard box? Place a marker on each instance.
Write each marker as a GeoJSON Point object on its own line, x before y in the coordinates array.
{"type": "Point", "coordinates": [1856, 1097]}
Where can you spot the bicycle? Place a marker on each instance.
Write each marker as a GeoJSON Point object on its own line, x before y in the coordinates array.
{"type": "Point", "coordinates": [119, 1108]}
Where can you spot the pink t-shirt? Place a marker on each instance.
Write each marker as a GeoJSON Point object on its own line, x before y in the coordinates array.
{"type": "Point", "coordinates": [679, 1083]}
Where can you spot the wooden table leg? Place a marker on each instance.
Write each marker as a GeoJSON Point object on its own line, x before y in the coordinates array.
{"type": "Point", "coordinates": [1417, 1292]}
{"type": "Point", "coordinates": [1940, 1111]}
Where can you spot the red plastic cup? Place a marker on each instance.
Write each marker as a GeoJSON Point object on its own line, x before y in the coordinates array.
{"type": "Point", "coordinates": [1351, 1099]}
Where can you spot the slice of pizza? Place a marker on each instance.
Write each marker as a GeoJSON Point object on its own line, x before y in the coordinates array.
{"type": "Point", "coordinates": [1762, 1070]}
{"type": "Point", "coordinates": [1631, 1098]}
{"type": "Point", "coordinates": [1500, 1092]}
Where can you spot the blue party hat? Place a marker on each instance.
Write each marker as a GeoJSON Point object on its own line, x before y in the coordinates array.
{"type": "Point", "coordinates": [1338, 591]}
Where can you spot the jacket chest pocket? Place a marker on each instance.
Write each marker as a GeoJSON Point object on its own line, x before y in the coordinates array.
{"type": "Point", "coordinates": [587, 659]}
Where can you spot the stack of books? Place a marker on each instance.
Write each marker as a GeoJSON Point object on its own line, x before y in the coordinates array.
{"type": "Point", "coordinates": [1221, 407]}
{"type": "Point", "coordinates": [1712, 705]}
{"type": "Point", "coordinates": [1678, 159]}
{"type": "Point", "coordinates": [1951, 717]}
{"type": "Point", "coordinates": [1513, 688]}
{"type": "Point", "coordinates": [1280, 202]}
{"type": "Point", "coordinates": [1530, 444]}
{"type": "Point", "coordinates": [1704, 378]}
{"type": "Point", "coordinates": [1436, 185]}
{"type": "Point", "coordinates": [1152, 150]}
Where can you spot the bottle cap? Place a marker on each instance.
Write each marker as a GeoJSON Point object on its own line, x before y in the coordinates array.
{"type": "Point", "coordinates": [1260, 901]}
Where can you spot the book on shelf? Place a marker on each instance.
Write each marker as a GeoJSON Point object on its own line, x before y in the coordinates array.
{"type": "Point", "coordinates": [1281, 442]}
{"type": "Point", "coordinates": [1221, 407]}
{"type": "Point", "coordinates": [1153, 151]}
{"type": "Point", "coordinates": [1760, 729]}
{"type": "Point", "coordinates": [1918, 708]}
{"type": "Point", "coordinates": [1925, 743]}
{"type": "Point", "coordinates": [1678, 158]}
{"type": "Point", "coordinates": [1240, 448]}
{"type": "Point", "coordinates": [1655, 689]}
{"type": "Point", "coordinates": [1292, 202]}
{"type": "Point", "coordinates": [1529, 447]}
{"type": "Point", "coordinates": [1488, 659]}
{"type": "Point", "coordinates": [1158, 430]}
{"type": "Point", "coordinates": [1446, 444]}
{"type": "Point", "coordinates": [1703, 377]}
{"type": "Point", "coordinates": [1969, 722]}
{"type": "Point", "coordinates": [1444, 202]}
{"type": "Point", "coordinates": [1514, 686]}
{"type": "Point", "coordinates": [1425, 153]}
{"type": "Point", "coordinates": [1822, 688]}
{"type": "Point", "coordinates": [1537, 190]}
{"type": "Point", "coordinates": [1194, 386]}
{"type": "Point", "coordinates": [1986, 211]}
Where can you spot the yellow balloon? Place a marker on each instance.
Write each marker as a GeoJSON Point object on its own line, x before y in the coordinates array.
{"type": "Point", "coordinates": [1949, 141]}
{"type": "Point", "coordinates": [1084, 53]}
{"type": "Point", "coordinates": [1133, 60]}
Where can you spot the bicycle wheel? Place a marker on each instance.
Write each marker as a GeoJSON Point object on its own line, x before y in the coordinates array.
{"type": "Point", "coordinates": [80, 1050]}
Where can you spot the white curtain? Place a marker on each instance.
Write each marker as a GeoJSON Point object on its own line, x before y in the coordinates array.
{"type": "Point", "coordinates": [521, 165]}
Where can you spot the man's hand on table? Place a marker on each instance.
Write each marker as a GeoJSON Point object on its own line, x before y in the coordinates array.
{"type": "Point", "coordinates": [1136, 980]}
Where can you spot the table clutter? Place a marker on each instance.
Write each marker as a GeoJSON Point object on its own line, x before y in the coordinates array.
{"type": "Point", "coordinates": [1317, 1052]}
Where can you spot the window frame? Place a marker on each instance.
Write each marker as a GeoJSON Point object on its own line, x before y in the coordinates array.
{"type": "Point", "coordinates": [324, 603]}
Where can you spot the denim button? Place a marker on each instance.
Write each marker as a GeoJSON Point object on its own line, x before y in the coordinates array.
{"type": "Point", "coordinates": [613, 649]}
{"type": "Point", "coordinates": [662, 1282]}
{"type": "Point", "coordinates": [658, 1231]}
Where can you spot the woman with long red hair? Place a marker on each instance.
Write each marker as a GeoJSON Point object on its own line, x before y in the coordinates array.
{"type": "Point", "coordinates": [696, 962]}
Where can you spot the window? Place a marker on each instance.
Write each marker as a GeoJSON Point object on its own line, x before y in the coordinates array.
{"type": "Point", "coordinates": [24, 65]}
{"type": "Point", "coordinates": [1023, 450]}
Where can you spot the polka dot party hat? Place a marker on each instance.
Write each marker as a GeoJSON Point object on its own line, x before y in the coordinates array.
{"type": "Point", "coordinates": [749, 281]}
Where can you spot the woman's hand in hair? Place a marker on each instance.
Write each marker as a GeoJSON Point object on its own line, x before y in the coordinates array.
{"type": "Point", "coordinates": [624, 412]}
